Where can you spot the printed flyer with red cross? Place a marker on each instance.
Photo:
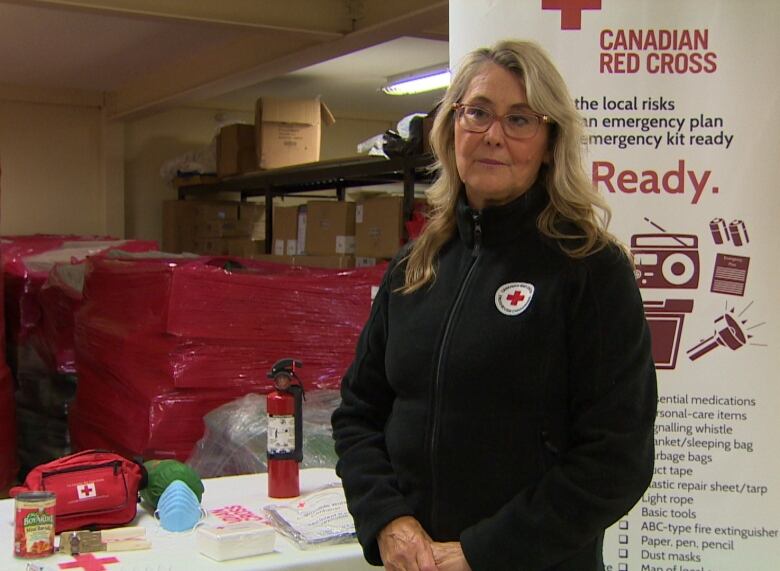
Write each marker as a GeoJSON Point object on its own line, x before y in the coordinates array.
{"type": "Point", "coordinates": [680, 103]}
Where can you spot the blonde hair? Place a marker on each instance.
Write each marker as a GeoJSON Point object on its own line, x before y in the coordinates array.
{"type": "Point", "coordinates": [572, 196]}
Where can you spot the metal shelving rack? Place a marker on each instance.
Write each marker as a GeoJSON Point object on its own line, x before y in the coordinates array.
{"type": "Point", "coordinates": [337, 174]}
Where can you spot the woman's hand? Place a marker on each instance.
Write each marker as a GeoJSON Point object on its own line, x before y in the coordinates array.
{"type": "Point", "coordinates": [449, 557]}
{"type": "Point", "coordinates": [405, 546]}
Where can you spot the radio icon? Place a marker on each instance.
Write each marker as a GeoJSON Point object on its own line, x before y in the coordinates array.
{"type": "Point", "coordinates": [666, 260]}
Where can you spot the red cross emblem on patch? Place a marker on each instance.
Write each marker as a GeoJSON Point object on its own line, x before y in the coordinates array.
{"type": "Point", "coordinates": [571, 11]}
{"type": "Point", "coordinates": [513, 298]}
{"type": "Point", "coordinates": [86, 490]}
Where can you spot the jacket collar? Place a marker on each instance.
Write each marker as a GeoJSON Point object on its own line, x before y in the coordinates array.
{"type": "Point", "coordinates": [499, 224]}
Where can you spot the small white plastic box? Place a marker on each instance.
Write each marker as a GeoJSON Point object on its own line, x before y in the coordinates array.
{"type": "Point", "coordinates": [232, 541]}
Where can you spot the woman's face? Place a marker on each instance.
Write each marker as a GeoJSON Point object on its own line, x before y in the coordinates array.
{"type": "Point", "coordinates": [494, 168]}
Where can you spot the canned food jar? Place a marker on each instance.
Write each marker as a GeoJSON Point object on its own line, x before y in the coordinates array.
{"type": "Point", "coordinates": [34, 529]}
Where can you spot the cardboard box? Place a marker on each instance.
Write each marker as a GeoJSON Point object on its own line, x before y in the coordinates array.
{"type": "Point", "coordinates": [224, 229]}
{"type": "Point", "coordinates": [379, 227]}
{"type": "Point", "coordinates": [287, 131]}
{"type": "Point", "coordinates": [337, 262]}
{"type": "Point", "coordinates": [186, 220]}
{"type": "Point", "coordinates": [362, 262]}
{"type": "Point", "coordinates": [236, 150]}
{"type": "Point", "coordinates": [330, 228]}
{"type": "Point", "coordinates": [254, 211]}
{"type": "Point", "coordinates": [253, 214]}
{"type": "Point", "coordinates": [285, 231]}
{"type": "Point", "coordinates": [245, 247]}
{"type": "Point", "coordinates": [194, 179]}
{"type": "Point", "coordinates": [206, 210]}
{"type": "Point", "coordinates": [211, 246]}
{"type": "Point", "coordinates": [178, 226]}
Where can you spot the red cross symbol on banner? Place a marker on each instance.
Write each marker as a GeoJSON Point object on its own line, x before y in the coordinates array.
{"type": "Point", "coordinates": [515, 297]}
{"type": "Point", "coordinates": [88, 562]}
{"type": "Point", "coordinates": [571, 11]}
{"type": "Point", "coordinates": [86, 490]}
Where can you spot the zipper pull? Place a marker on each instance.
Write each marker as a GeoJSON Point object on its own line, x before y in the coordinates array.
{"type": "Point", "coordinates": [477, 233]}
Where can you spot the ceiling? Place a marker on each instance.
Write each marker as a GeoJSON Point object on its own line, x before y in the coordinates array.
{"type": "Point", "coordinates": [150, 55]}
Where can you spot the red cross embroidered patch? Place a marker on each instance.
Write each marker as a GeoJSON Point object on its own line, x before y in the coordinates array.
{"type": "Point", "coordinates": [513, 298]}
{"type": "Point", "coordinates": [86, 490]}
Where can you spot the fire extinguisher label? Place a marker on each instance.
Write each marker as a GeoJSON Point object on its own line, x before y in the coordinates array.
{"type": "Point", "coordinates": [281, 434]}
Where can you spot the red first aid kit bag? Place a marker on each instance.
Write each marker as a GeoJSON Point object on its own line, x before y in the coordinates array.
{"type": "Point", "coordinates": [94, 489]}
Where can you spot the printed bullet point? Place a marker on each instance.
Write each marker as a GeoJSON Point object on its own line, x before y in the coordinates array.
{"type": "Point", "coordinates": [623, 539]}
{"type": "Point", "coordinates": [622, 566]}
{"type": "Point", "coordinates": [623, 553]}
{"type": "Point", "coordinates": [623, 524]}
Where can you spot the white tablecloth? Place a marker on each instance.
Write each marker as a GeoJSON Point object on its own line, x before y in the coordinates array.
{"type": "Point", "coordinates": [177, 551]}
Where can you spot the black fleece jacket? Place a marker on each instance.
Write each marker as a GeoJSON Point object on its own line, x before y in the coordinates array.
{"type": "Point", "coordinates": [521, 434]}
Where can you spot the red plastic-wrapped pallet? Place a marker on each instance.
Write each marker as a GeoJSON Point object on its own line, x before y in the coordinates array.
{"type": "Point", "coordinates": [27, 262]}
{"type": "Point", "coordinates": [59, 299]}
{"type": "Point", "coordinates": [2, 310]}
{"type": "Point", "coordinates": [165, 423]}
{"type": "Point", "coordinates": [40, 308]}
{"type": "Point", "coordinates": [160, 342]}
{"type": "Point", "coordinates": [8, 460]}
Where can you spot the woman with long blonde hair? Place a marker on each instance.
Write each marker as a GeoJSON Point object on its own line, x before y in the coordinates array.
{"type": "Point", "coordinates": [499, 412]}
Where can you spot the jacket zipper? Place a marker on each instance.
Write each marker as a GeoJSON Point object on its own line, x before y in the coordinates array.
{"type": "Point", "coordinates": [476, 218]}
{"type": "Point", "coordinates": [437, 377]}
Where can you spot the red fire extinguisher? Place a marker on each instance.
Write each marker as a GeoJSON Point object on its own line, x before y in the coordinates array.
{"type": "Point", "coordinates": [285, 430]}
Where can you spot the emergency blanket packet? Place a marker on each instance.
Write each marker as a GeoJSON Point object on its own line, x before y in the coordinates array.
{"type": "Point", "coordinates": [317, 518]}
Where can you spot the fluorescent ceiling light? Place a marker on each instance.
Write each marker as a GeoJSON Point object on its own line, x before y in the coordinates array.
{"type": "Point", "coordinates": [418, 82]}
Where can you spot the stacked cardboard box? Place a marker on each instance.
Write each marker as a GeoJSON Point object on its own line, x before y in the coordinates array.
{"type": "Point", "coordinates": [236, 151]}
{"type": "Point", "coordinates": [319, 234]}
{"type": "Point", "coordinates": [334, 261]}
{"type": "Point", "coordinates": [285, 231]}
{"type": "Point", "coordinates": [329, 234]}
{"type": "Point", "coordinates": [287, 131]}
{"type": "Point", "coordinates": [218, 228]}
{"type": "Point", "coordinates": [379, 229]}
{"type": "Point", "coordinates": [330, 228]}
{"type": "Point", "coordinates": [338, 234]}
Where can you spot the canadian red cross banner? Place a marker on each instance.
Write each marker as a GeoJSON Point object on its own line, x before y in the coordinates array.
{"type": "Point", "coordinates": [680, 101]}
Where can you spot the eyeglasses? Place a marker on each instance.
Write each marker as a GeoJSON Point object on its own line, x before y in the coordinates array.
{"type": "Point", "coordinates": [523, 125]}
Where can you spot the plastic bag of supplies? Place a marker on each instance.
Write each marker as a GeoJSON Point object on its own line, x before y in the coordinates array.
{"type": "Point", "coordinates": [235, 439]}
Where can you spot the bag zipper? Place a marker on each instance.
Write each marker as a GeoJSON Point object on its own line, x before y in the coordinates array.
{"type": "Point", "coordinates": [115, 463]}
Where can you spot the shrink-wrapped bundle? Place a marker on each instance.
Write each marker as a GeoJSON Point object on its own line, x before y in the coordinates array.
{"type": "Point", "coordinates": [161, 342]}
{"type": "Point", "coordinates": [42, 275]}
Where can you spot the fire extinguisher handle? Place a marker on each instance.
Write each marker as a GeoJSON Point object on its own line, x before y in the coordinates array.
{"type": "Point", "coordinates": [284, 366]}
